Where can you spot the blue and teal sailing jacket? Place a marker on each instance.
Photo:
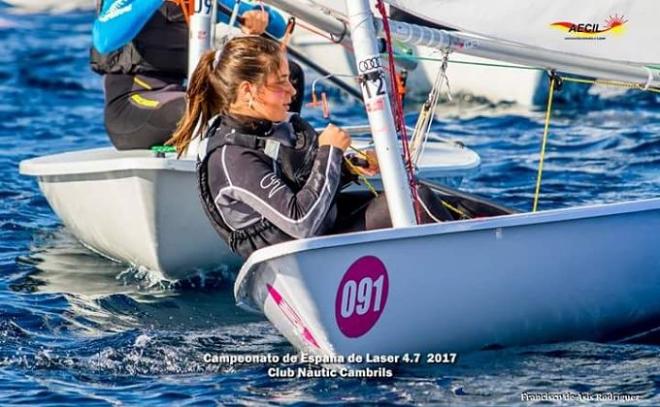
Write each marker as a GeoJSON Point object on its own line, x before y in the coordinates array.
{"type": "Point", "coordinates": [119, 21]}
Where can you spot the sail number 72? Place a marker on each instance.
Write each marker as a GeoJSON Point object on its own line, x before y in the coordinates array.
{"type": "Point", "coordinates": [379, 83]}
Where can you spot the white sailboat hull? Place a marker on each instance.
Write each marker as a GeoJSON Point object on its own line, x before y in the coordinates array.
{"type": "Point", "coordinates": [572, 274]}
{"type": "Point", "coordinates": [136, 208]}
{"type": "Point", "coordinates": [132, 207]}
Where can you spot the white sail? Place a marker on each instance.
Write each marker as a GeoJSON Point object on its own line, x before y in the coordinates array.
{"type": "Point", "coordinates": [621, 30]}
{"type": "Point", "coordinates": [603, 59]}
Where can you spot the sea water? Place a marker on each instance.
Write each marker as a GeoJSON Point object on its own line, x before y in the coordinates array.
{"type": "Point", "coordinates": [76, 328]}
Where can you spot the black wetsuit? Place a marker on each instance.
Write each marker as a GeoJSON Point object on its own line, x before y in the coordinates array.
{"type": "Point", "coordinates": [250, 199]}
{"type": "Point", "coordinates": [144, 92]}
{"type": "Point", "coordinates": [263, 183]}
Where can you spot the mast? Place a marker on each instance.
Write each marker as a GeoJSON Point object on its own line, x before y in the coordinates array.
{"type": "Point", "coordinates": [199, 37]}
{"type": "Point", "coordinates": [379, 112]}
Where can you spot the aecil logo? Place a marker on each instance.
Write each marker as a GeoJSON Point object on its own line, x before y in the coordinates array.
{"type": "Point", "coordinates": [591, 30]}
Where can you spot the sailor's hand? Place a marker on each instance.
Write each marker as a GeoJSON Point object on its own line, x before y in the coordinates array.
{"type": "Point", "coordinates": [371, 168]}
{"type": "Point", "coordinates": [254, 22]}
{"type": "Point", "coordinates": [336, 137]}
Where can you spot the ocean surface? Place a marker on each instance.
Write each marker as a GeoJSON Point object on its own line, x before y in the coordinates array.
{"type": "Point", "coordinates": [77, 329]}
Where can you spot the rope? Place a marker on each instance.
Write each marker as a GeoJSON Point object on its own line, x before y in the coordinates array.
{"type": "Point", "coordinates": [355, 170]}
{"type": "Point", "coordinates": [418, 58]}
{"type": "Point", "coordinates": [548, 113]}
{"type": "Point", "coordinates": [455, 210]}
{"type": "Point", "coordinates": [425, 119]}
{"type": "Point", "coordinates": [601, 82]}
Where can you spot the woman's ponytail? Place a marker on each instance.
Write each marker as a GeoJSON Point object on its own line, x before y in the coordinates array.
{"type": "Point", "coordinates": [202, 101]}
{"type": "Point", "coordinates": [214, 84]}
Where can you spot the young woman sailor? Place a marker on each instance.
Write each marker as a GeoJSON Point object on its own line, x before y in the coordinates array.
{"type": "Point", "coordinates": [265, 177]}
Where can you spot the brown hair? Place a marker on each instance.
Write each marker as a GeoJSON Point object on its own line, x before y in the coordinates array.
{"type": "Point", "coordinates": [212, 91]}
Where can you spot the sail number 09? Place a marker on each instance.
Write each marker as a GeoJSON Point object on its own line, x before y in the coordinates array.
{"type": "Point", "coordinates": [361, 297]}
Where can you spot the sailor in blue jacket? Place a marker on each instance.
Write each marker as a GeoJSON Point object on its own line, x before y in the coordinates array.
{"type": "Point", "coordinates": [141, 48]}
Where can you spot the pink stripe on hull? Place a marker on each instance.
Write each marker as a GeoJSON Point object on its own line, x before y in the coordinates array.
{"type": "Point", "coordinates": [291, 315]}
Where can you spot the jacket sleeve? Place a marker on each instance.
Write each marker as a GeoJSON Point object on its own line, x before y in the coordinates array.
{"type": "Point", "coordinates": [299, 214]}
{"type": "Point", "coordinates": [119, 21]}
{"type": "Point", "coordinates": [276, 21]}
